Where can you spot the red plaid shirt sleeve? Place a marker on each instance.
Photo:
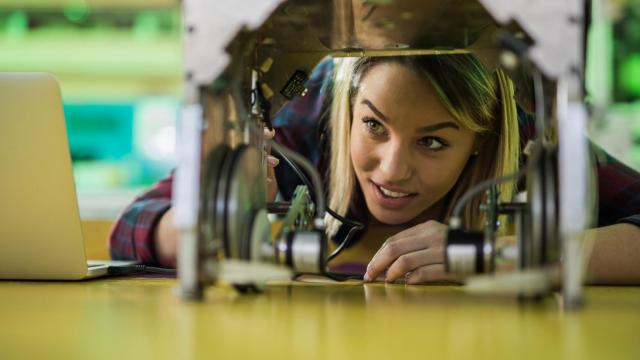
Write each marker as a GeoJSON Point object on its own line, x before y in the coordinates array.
{"type": "Point", "coordinates": [132, 235]}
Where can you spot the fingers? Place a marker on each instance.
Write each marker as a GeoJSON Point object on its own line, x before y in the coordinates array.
{"type": "Point", "coordinates": [272, 184]}
{"type": "Point", "coordinates": [412, 261]}
{"type": "Point", "coordinates": [394, 248]}
{"type": "Point", "coordinates": [417, 246]}
{"type": "Point", "coordinates": [269, 134]}
{"type": "Point", "coordinates": [430, 274]}
{"type": "Point", "coordinates": [272, 162]}
{"type": "Point", "coordinates": [390, 251]}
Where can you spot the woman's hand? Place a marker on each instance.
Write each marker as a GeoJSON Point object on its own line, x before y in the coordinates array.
{"type": "Point", "coordinates": [272, 162]}
{"type": "Point", "coordinates": [165, 240]}
{"type": "Point", "coordinates": [417, 254]}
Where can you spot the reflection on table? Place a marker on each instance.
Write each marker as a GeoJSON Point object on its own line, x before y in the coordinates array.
{"type": "Point", "coordinates": [143, 318]}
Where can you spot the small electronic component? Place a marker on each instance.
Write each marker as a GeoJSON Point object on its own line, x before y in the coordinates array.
{"type": "Point", "coordinates": [295, 86]}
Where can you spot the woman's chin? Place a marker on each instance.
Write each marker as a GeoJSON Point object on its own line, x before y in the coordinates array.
{"type": "Point", "coordinates": [392, 218]}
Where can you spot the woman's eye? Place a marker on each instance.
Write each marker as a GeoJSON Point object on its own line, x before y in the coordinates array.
{"type": "Point", "coordinates": [373, 126]}
{"type": "Point", "coordinates": [433, 143]}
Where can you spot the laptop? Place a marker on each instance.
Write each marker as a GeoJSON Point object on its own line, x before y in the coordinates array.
{"type": "Point", "coordinates": [40, 231]}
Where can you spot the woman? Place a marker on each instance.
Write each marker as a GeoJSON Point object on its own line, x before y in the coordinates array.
{"type": "Point", "coordinates": [406, 137]}
{"type": "Point", "coordinates": [411, 134]}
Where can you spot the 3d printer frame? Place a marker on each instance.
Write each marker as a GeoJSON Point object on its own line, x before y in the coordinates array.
{"type": "Point", "coordinates": [240, 52]}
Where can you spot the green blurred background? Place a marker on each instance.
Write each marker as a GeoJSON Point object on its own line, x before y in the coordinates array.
{"type": "Point", "coordinates": [119, 66]}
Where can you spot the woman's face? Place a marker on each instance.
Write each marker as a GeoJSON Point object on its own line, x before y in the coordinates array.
{"type": "Point", "coordinates": [406, 148]}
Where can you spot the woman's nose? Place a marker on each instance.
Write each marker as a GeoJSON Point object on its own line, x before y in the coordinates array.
{"type": "Point", "coordinates": [395, 163]}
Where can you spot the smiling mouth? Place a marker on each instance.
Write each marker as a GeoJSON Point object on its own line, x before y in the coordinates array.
{"type": "Point", "coordinates": [392, 194]}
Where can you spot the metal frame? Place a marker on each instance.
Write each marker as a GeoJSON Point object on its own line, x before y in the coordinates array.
{"type": "Point", "coordinates": [213, 28]}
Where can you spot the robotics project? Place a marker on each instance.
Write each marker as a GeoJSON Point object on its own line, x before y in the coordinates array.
{"type": "Point", "coordinates": [245, 58]}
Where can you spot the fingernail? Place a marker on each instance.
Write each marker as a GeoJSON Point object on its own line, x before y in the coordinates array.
{"type": "Point", "coordinates": [269, 133]}
{"type": "Point", "coordinates": [366, 277]}
{"type": "Point", "coordinates": [273, 161]}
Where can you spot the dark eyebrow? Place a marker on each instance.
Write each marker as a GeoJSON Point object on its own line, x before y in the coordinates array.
{"type": "Point", "coordinates": [375, 110]}
{"type": "Point", "coordinates": [438, 126]}
{"type": "Point", "coordinates": [430, 128]}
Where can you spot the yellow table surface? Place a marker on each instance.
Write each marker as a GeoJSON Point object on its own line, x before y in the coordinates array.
{"type": "Point", "coordinates": [144, 319]}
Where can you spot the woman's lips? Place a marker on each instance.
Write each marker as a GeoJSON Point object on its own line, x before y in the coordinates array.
{"type": "Point", "coordinates": [391, 202]}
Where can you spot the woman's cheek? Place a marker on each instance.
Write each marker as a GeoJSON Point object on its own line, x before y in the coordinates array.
{"type": "Point", "coordinates": [441, 174]}
{"type": "Point", "coordinates": [363, 154]}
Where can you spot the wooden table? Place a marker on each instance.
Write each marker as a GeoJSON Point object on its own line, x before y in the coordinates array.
{"type": "Point", "coordinates": [142, 318]}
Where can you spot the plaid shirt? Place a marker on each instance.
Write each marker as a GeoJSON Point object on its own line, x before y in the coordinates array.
{"type": "Point", "coordinates": [301, 126]}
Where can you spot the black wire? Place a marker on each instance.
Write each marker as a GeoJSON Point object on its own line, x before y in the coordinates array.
{"type": "Point", "coordinates": [355, 225]}
{"type": "Point", "coordinates": [158, 270]}
{"type": "Point", "coordinates": [316, 181]}
{"type": "Point", "coordinates": [345, 243]}
{"type": "Point", "coordinates": [342, 277]}
{"type": "Point", "coordinates": [139, 268]}
{"type": "Point", "coordinates": [335, 276]}
{"type": "Point", "coordinates": [306, 181]}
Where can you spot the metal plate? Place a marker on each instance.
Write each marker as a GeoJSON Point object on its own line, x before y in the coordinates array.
{"type": "Point", "coordinates": [245, 193]}
{"type": "Point", "coordinates": [543, 246]}
{"type": "Point", "coordinates": [221, 204]}
{"type": "Point", "coordinates": [210, 232]}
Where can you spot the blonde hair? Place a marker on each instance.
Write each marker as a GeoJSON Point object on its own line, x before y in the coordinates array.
{"type": "Point", "coordinates": [479, 101]}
